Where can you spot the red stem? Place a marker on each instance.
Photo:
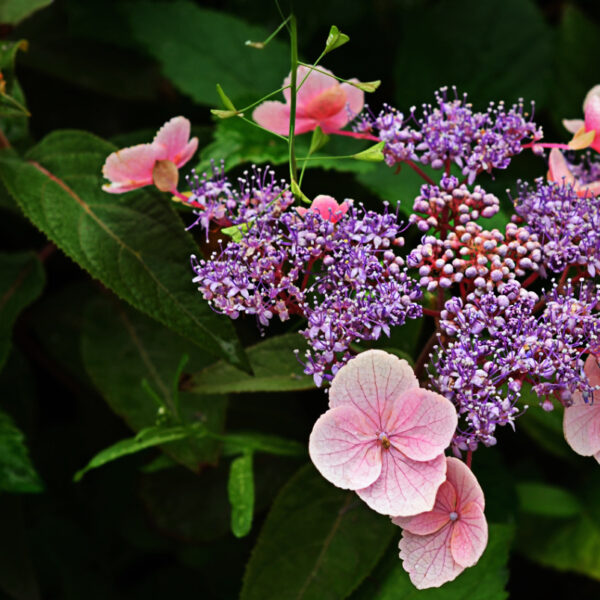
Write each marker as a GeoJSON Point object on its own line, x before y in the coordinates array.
{"type": "Point", "coordinates": [531, 279]}
{"type": "Point", "coordinates": [419, 171]}
{"type": "Point", "coordinates": [469, 458]}
{"type": "Point", "coordinates": [354, 134]}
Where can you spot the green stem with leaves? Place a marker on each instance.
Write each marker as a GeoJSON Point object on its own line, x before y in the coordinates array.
{"type": "Point", "coordinates": [293, 90]}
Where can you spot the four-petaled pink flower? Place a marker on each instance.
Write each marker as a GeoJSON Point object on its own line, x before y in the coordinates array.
{"type": "Point", "coordinates": [327, 207]}
{"type": "Point", "coordinates": [156, 163]}
{"type": "Point", "coordinates": [558, 171]}
{"type": "Point", "coordinates": [321, 101]}
{"type": "Point", "coordinates": [581, 422]}
{"type": "Point", "coordinates": [436, 546]}
{"type": "Point", "coordinates": [384, 436]}
{"type": "Point", "coordinates": [591, 120]}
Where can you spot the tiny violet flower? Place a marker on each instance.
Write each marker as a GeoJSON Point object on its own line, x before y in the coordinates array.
{"type": "Point", "coordinates": [384, 436]}
{"type": "Point", "coordinates": [437, 546]}
{"type": "Point", "coordinates": [321, 101]}
{"type": "Point", "coordinates": [591, 120]}
{"type": "Point", "coordinates": [581, 423]}
{"type": "Point", "coordinates": [327, 207]}
{"type": "Point", "coordinates": [156, 163]}
{"type": "Point", "coordinates": [559, 171]}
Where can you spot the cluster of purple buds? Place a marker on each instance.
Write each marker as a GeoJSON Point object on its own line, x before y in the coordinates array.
{"type": "Point", "coordinates": [451, 132]}
{"type": "Point", "coordinates": [340, 273]}
{"type": "Point", "coordinates": [494, 343]}
{"type": "Point", "coordinates": [587, 170]}
{"type": "Point", "coordinates": [566, 223]}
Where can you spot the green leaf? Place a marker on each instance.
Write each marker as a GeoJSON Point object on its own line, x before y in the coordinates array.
{"type": "Point", "coordinates": [273, 363]}
{"type": "Point", "coordinates": [547, 500]}
{"type": "Point", "coordinates": [366, 86]}
{"type": "Point", "coordinates": [472, 51]}
{"type": "Point", "coordinates": [14, 11]}
{"type": "Point", "coordinates": [135, 244]}
{"type": "Point", "coordinates": [484, 581]}
{"type": "Point", "coordinates": [238, 443]}
{"type": "Point", "coordinates": [17, 474]}
{"type": "Point", "coordinates": [200, 40]}
{"type": "Point", "coordinates": [227, 103]}
{"type": "Point", "coordinates": [318, 140]}
{"type": "Point", "coordinates": [121, 348]}
{"type": "Point", "coordinates": [146, 438]}
{"type": "Point", "coordinates": [335, 39]}
{"type": "Point", "coordinates": [318, 542]}
{"type": "Point", "coordinates": [21, 282]}
{"type": "Point", "coordinates": [372, 154]}
{"type": "Point", "coordinates": [240, 489]}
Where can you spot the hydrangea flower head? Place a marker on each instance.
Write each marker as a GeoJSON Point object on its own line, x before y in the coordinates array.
{"type": "Point", "coordinates": [438, 545]}
{"type": "Point", "coordinates": [321, 102]}
{"type": "Point", "coordinates": [591, 120]}
{"type": "Point", "coordinates": [327, 207]}
{"type": "Point", "coordinates": [560, 171]}
{"type": "Point", "coordinates": [581, 423]}
{"type": "Point", "coordinates": [155, 163]}
{"type": "Point", "coordinates": [384, 436]}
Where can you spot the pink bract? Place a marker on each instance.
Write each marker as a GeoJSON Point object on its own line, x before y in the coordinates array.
{"type": "Point", "coordinates": [581, 422]}
{"type": "Point", "coordinates": [327, 207]}
{"type": "Point", "coordinates": [384, 436]}
{"type": "Point", "coordinates": [591, 120]}
{"type": "Point", "coordinates": [560, 173]}
{"type": "Point", "coordinates": [132, 168]}
{"type": "Point", "coordinates": [321, 101]}
{"type": "Point", "coordinates": [436, 546]}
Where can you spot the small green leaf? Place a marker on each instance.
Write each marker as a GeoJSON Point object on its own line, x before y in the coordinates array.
{"type": "Point", "coordinates": [17, 474]}
{"type": "Point", "coordinates": [273, 363]}
{"type": "Point", "coordinates": [236, 232]}
{"type": "Point", "coordinates": [239, 443]}
{"type": "Point", "coordinates": [366, 86]}
{"type": "Point", "coordinates": [318, 140]}
{"type": "Point", "coordinates": [335, 39]}
{"type": "Point", "coordinates": [547, 500]}
{"type": "Point", "coordinates": [227, 103]}
{"type": "Point", "coordinates": [21, 282]}
{"type": "Point", "coordinates": [298, 193]}
{"type": "Point", "coordinates": [146, 438]}
{"type": "Point", "coordinates": [372, 154]}
{"type": "Point", "coordinates": [240, 489]}
{"type": "Point", "coordinates": [224, 114]}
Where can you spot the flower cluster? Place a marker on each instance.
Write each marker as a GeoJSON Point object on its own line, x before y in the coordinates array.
{"type": "Point", "coordinates": [494, 343]}
{"type": "Point", "coordinates": [567, 225]}
{"type": "Point", "coordinates": [339, 271]}
{"type": "Point", "coordinates": [452, 132]}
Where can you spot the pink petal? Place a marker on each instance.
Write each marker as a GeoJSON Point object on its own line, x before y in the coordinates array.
{"type": "Point", "coordinates": [581, 426]}
{"type": "Point", "coordinates": [469, 535]}
{"type": "Point", "coordinates": [592, 189]}
{"type": "Point", "coordinates": [274, 116]}
{"type": "Point", "coordinates": [573, 125]}
{"type": "Point", "coordinates": [335, 122]}
{"type": "Point", "coordinates": [593, 93]}
{"type": "Point", "coordinates": [428, 559]}
{"type": "Point", "coordinates": [370, 381]}
{"type": "Point", "coordinates": [131, 167]}
{"type": "Point", "coordinates": [344, 448]}
{"type": "Point", "coordinates": [356, 99]}
{"type": "Point", "coordinates": [592, 113]}
{"type": "Point", "coordinates": [326, 104]}
{"type": "Point", "coordinates": [465, 483]}
{"type": "Point", "coordinates": [328, 208]}
{"type": "Point", "coordinates": [173, 139]}
{"type": "Point", "coordinates": [314, 84]}
{"type": "Point", "coordinates": [559, 168]}
{"type": "Point", "coordinates": [405, 487]}
{"type": "Point", "coordinates": [420, 423]}
{"type": "Point", "coordinates": [430, 522]}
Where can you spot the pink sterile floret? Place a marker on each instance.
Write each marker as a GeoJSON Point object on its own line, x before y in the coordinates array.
{"type": "Point", "coordinates": [591, 120]}
{"type": "Point", "coordinates": [383, 436]}
{"type": "Point", "coordinates": [327, 207]}
{"type": "Point", "coordinates": [558, 171]}
{"type": "Point", "coordinates": [138, 166]}
{"type": "Point", "coordinates": [581, 423]}
{"type": "Point", "coordinates": [321, 101]}
{"type": "Point", "coordinates": [436, 546]}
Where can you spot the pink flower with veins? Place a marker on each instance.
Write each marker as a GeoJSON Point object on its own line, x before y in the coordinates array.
{"type": "Point", "coordinates": [438, 545]}
{"type": "Point", "coordinates": [156, 163]}
{"type": "Point", "coordinates": [327, 207]}
{"type": "Point", "coordinates": [581, 422]}
{"type": "Point", "coordinates": [591, 120]}
{"type": "Point", "coordinates": [560, 173]}
{"type": "Point", "coordinates": [384, 436]}
{"type": "Point", "coordinates": [321, 101]}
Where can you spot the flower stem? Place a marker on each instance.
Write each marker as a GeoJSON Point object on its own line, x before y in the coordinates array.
{"type": "Point", "coordinates": [293, 91]}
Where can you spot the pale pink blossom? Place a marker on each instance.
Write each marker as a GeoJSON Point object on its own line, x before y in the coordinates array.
{"type": "Point", "coordinates": [591, 120]}
{"type": "Point", "coordinates": [155, 163]}
{"type": "Point", "coordinates": [384, 436]}
{"type": "Point", "coordinates": [436, 546]}
{"type": "Point", "coordinates": [321, 101]}
{"type": "Point", "coordinates": [581, 422]}
{"type": "Point", "coordinates": [558, 171]}
{"type": "Point", "coordinates": [327, 207]}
